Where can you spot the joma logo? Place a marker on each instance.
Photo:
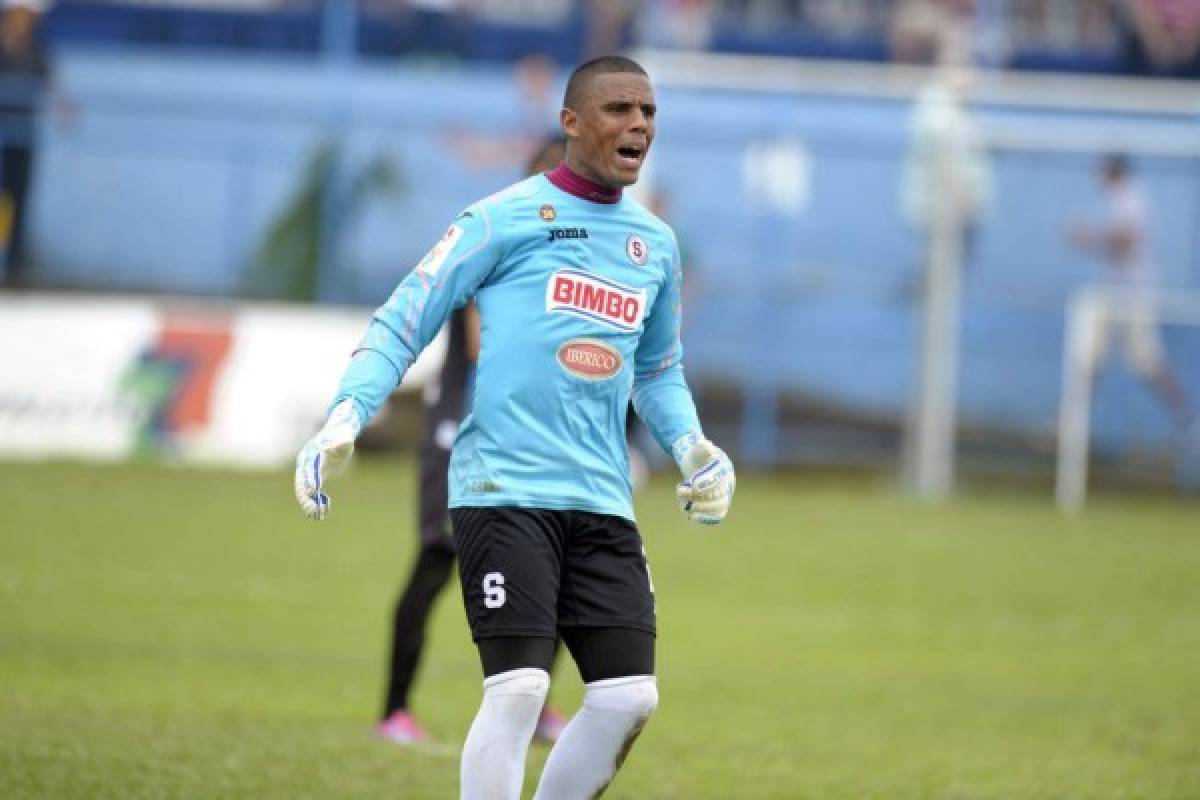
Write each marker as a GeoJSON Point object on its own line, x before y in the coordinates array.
{"type": "Point", "coordinates": [566, 233]}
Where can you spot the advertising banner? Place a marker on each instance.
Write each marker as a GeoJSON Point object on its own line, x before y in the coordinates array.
{"type": "Point", "coordinates": [111, 378]}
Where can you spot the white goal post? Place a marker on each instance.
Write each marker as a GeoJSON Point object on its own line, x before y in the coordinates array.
{"type": "Point", "coordinates": [1088, 311]}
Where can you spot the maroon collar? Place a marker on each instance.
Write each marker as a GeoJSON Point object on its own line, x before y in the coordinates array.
{"type": "Point", "coordinates": [573, 183]}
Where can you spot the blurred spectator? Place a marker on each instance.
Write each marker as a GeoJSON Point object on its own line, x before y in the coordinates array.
{"type": "Point", "coordinates": [1064, 25]}
{"type": "Point", "coordinates": [1072, 33]}
{"type": "Point", "coordinates": [1121, 241]}
{"type": "Point", "coordinates": [843, 20]}
{"type": "Point", "coordinates": [23, 72]}
{"type": "Point", "coordinates": [915, 31]}
{"type": "Point", "coordinates": [536, 79]}
{"type": "Point", "coordinates": [992, 33]}
{"type": "Point", "coordinates": [608, 23]}
{"type": "Point", "coordinates": [1097, 25]}
{"type": "Point", "coordinates": [1160, 36]}
{"type": "Point", "coordinates": [676, 24]}
{"type": "Point", "coordinates": [932, 31]}
{"type": "Point", "coordinates": [1163, 37]}
{"type": "Point", "coordinates": [947, 166]}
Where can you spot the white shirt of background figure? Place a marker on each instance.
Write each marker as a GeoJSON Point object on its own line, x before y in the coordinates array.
{"type": "Point", "coordinates": [1126, 236]}
{"type": "Point", "coordinates": [946, 158]}
{"type": "Point", "coordinates": [1122, 241]}
{"type": "Point", "coordinates": [1121, 237]}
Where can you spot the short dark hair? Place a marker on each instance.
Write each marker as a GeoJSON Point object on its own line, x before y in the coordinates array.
{"type": "Point", "coordinates": [1116, 165]}
{"type": "Point", "coordinates": [603, 65]}
{"type": "Point", "coordinates": [548, 149]}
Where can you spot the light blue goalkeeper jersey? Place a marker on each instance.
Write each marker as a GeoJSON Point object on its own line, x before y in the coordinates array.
{"type": "Point", "coordinates": [580, 308]}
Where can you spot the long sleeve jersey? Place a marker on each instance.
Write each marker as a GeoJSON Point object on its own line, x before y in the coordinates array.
{"type": "Point", "coordinates": [579, 302]}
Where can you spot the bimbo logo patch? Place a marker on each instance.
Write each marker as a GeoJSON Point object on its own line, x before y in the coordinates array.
{"type": "Point", "coordinates": [589, 359]}
{"type": "Point", "coordinates": [591, 297]}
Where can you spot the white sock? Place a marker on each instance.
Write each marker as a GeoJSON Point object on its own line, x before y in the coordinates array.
{"type": "Point", "coordinates": [596, 741]}
{"type": "Point", "coordinates": [493, 759]}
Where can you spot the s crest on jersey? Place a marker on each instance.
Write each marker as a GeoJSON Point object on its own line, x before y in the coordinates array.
{"type": "Point", "coordinates": [571, 291]}
{"type": "Point", "coordinates": [636, 249]}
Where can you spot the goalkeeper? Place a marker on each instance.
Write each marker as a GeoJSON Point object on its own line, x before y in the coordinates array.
{"type": "Point", "coordinates": [578, 292]}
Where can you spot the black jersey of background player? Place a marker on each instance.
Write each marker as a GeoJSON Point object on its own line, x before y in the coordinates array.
{"type": "Point", "coordinates": [444, 409]}
{"type": "Point", "coordinates": [449, 403]}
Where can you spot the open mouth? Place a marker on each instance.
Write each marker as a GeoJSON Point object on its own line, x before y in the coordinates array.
{"type": "Point", "coordinates": [631, 155]}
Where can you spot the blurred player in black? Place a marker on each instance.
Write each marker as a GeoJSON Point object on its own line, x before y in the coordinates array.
{"type": "Point", "coordinates": [23, 75]}
{"type": "Point", "coordinates": [446, 401]}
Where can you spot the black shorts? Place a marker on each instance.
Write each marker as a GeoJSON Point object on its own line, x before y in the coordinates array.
{"type": "Point", "coordinates": [528, 572]}
{"type": "Point", "coordinates": [444, 409]}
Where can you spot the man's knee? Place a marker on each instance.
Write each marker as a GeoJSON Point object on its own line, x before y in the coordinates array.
{"type": "Point", "coordinates": [636, 695]}
{"type": "Point", "coordinates": [493, 759]}
{"type": "Point", "coordinates": [527, 681]}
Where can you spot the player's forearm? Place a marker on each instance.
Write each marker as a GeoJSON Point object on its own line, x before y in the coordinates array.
{"type": "Point", "coordinates": [370, 378]}
{"type": "Point", "coordinates": [399, 330]}
{"type": "Point", "coordinates": [664, 402]}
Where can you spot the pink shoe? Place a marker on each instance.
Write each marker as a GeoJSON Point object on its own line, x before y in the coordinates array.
{"type": "Point", "coordinates": [550, 726]}
{"type": "Point", "coordinates": [401, 728]}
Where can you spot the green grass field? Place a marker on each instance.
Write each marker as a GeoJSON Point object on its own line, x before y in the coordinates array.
{"type": "Point", "coordinates": [172, 633]}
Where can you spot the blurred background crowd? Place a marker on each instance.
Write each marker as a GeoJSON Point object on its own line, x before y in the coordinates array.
{"type": "Point", "coordinates": [1150, 37]}
{"type": "Point", "coordinates": [1109, 36]}
{"type": "Point", "coordinates": [864, 189]}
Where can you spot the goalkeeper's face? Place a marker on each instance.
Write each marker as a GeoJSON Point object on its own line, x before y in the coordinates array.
{"type": "Point", "coordinates": [610, 133]}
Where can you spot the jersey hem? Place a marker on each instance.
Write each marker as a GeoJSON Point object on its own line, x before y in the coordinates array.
{"type": "Point", "coordinates": [542, 504]}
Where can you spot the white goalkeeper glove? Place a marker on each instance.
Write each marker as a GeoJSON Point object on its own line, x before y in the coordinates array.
{"type": "Point", "coordinates": [325, 455]}
{"type": "Point", "coordinates": [708, 480]}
